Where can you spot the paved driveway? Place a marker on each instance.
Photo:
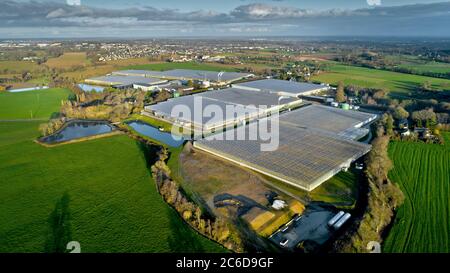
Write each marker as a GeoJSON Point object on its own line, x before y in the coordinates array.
{"type": "Point", "coordinates": [311, 226]}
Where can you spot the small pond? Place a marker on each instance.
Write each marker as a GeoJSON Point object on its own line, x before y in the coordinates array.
{"type": "Point", "coordinates": [78, 129]}
{"type": "Point", "coordinates": [90, 88]}
{"type": "Point", "coordinates": [154, 133]}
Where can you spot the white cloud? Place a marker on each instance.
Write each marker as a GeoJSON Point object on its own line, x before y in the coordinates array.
{"type": "Point", "coordinates": [36, 15]}
{"type": "Point", "coordinates": [73, 2]}
{"type": "Point", "coordinates": [264, 11]}
{"type": "Point", "coordinates": [374, 2]}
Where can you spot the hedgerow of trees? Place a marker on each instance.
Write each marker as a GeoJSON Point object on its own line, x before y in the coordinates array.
{"type": "Point", "coordinates": [216, 229]}
{"type": "Point", "coordinates": [384, 197]}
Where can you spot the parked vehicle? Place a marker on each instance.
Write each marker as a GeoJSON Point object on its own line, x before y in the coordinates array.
{"type": "Point", "coordinates": [284, 242]}
{"type": "Point", "coordinates": [335, 218]}
{"type": "Point", "coordinates": [342, 221]}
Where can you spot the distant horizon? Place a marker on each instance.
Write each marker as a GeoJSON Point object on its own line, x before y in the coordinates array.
{"type": "Point", "coordinates": [22, 19]}
{"type": "Point", "coordinates": [209, 37]}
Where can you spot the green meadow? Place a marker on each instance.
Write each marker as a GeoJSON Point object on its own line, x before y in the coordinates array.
{"type": "Point", "coordinates": [397, 83]}
{"type": "Point", "coordinates": [17, 67]}
{"type": "Point", "coordinates": [39, 104]}
{"type": "Point", "coordinates": [422, 223]}
{"type": "Point", "coordinates": [99, 192]}
{"type": "Point", "coordinates": [419, 65]}
{"type": "Point", "coordinates": [422, 67]}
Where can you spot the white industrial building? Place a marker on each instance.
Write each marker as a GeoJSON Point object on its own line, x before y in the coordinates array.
{"type": "Point", "coordinates": [122, 82]}
{"type": "Point", "coordinates": [311, 150]}
{"type": "Point", "coordinates": [249, 105]}
{"type": "Point", "coordinates": [284, 88]}
{"type": "Point", "coordinates": [202, 76]}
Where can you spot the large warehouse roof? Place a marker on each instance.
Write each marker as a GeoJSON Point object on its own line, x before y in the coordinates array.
{"type": "Point", "coordinates": [140, 73]}
{"type": "Point", "coordinates": [123, 80]}
{"type": "Point", "coordinates": [304, 158]}
{"type": "Point", "coordinates": [207, 75]}
{"type": "Point", "coordinates": [246, 102]}
{"type": "Point", "coordinates": [168, 109]}
{"type": "Point", "coordinates": [330, 120]}
{"type": "Point", "coordinates": [245, 97]}
{"type": "Point", "coordinates": [287, 87]}
{"type": "Point", "coordinates": [188, 74]}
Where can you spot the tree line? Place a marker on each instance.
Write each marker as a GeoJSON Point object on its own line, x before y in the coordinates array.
{"type": "Point", "coordinates": [384, 197]}
{"type": "Point", "coordinates": [216, 229]}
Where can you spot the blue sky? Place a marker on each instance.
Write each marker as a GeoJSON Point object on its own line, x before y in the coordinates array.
{"type": "Point", "coordinates": [151, 18]}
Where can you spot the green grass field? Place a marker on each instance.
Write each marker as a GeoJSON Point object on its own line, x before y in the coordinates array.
{"type": "Point", "coordinates": [187, 65]}
{"type": "Point", "coordinates": [422, 67]}
{"type": "Point", "coordinates": [98, 192]}
{"type": "Point", "coordinates": [68, 60]}
{"type": "Point", "coordinates": [17, 67]}
{"type": "Point", "coordinates": [418, 65]}
{"type": "Point", "coordinates": [397, 83]}
{"type": "Point", "coordinates": [422, 223]}
{"type": "Point", "coordinates": [38, 104]}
